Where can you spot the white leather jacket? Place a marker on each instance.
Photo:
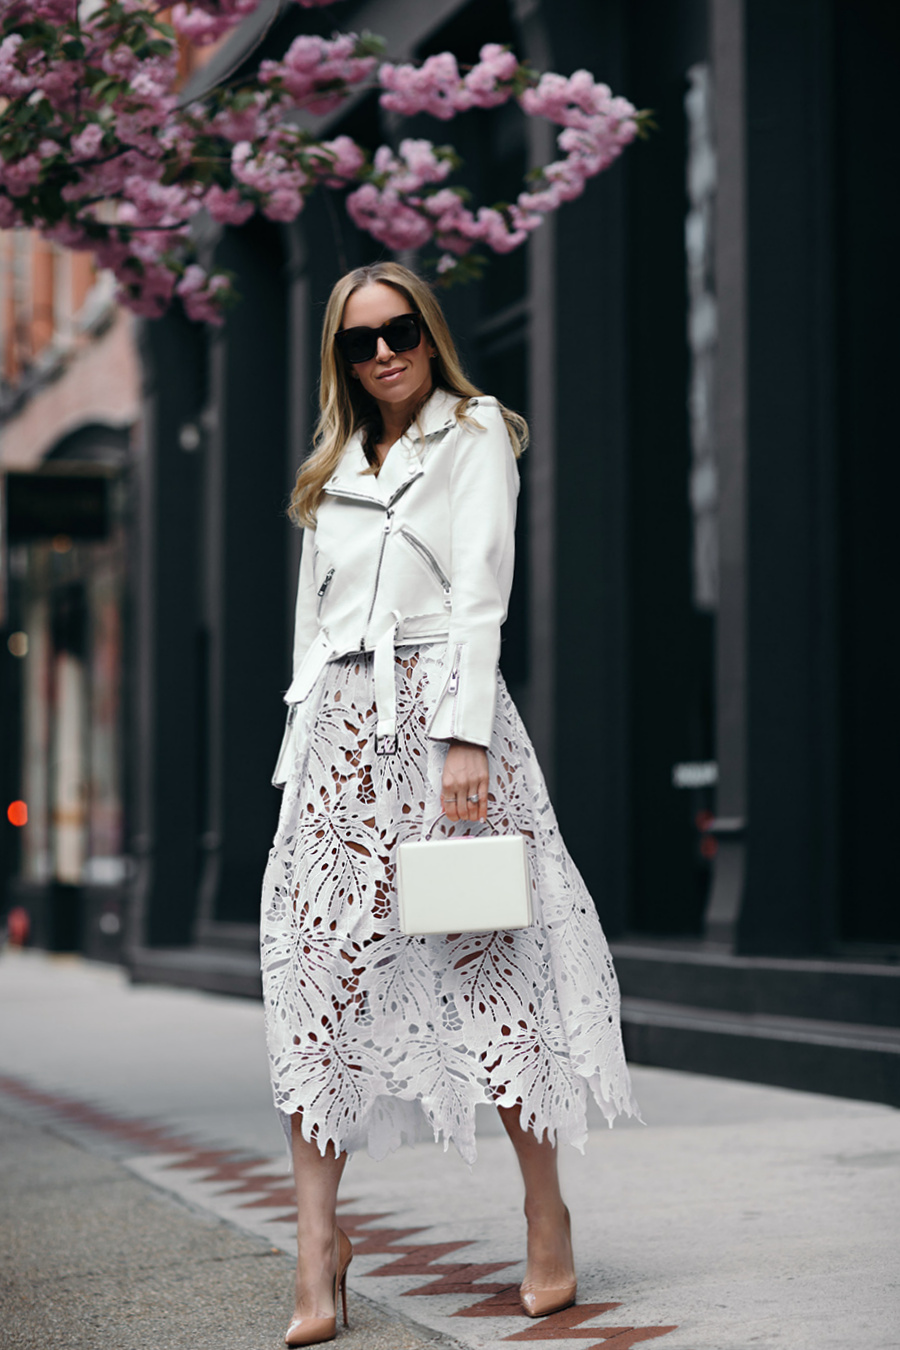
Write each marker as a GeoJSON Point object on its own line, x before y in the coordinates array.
{"type": "Point", "coordinates": [421, 553]}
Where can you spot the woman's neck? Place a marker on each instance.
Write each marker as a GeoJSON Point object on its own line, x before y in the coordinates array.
{"type": "Point", "coordinates": [396, 417]}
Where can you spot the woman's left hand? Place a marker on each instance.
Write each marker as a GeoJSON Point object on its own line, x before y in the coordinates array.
{"type": "Point", "coordinates": [464, 787]}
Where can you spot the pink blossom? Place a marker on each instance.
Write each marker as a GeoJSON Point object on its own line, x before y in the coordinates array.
{"type": "Point", "coordinates": [18, 175]}
{"type": "Point", "coordinates": [76, 192]}
{"type": "Point", "coordinates": [262, 171]}
{"type": "Point", "coordinates": [119, 61]}
{"type": "Point", "coordinates": [422, 164]}
{"type": "Point", "coordinates": [284, 203]}
{"type": "Point", "coordinates": [244, 124]}
{"type": "Point", "coordinates": [54, 11]}
{"type": "Point", "coordinates": [152, 86]}
{"type": "Point", "coordinates": [202, 294]}
{"type": "Point", "coordinates": [495, 232]}
{"type": "Point", "coordinates": [228, 207]}
{"type": "Point", "coordinates": [590, 96]}
{"type": "Point", "coordinates": [148, 289]}
{"type": "Point", "coordinates": [524, 219]}
{"type": "Point", "coordinates": [107, 179]}
{"type": "Point", "coordinates": [180, 138]}
{"type": "Point", "coordinates": [546, 200]}
{"type": "Point", "coordinates": [280, 183]}
{"type": "Point", "coordinates": [205, 21]}
{"type": "Point", "coordinates": [436, 86]}
{"type": "Point", "coordinates": [347, 160]}
{"type": "Point", "coordinates": [487, 84]}
{"type": "Point", "coordinates": [387, 219]}
{"type": "Point", "coordinates": [200, 26]}
{"type": "Point", "coordinates": [549, 99]}
{"type": "Point", "coordinates": [138, 129]}
{"type": "Point", "coordinates": [149, 203]}
{"type": "Point", "coordinates": [444, 205]}
{"type": "Point", "coordinates": [86, 144]}
{"type": "Point", "coordinates": [194, 280]}
{"type": "Point", "coordinates": [59, 83]}
{"type": "Point", "coordinates": [311, 63]}
{"type": "Point", "coordinates": [14, 82]}
{"type": "Point", "coordinates": [417, 165]}
{"type": "Point", "coordinates": [427, 88]}
{"type": "Point", "coordinates": [574, 102]}
{"type": "Point", "coordinates": [455, 227]}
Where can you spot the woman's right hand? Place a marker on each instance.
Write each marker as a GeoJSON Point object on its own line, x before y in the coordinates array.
{"type": "Point", "coordinates": [464, 787]}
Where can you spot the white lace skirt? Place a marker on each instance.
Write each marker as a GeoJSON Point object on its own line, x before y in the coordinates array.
{"type": "Point", "coordinates": [373, 1035]}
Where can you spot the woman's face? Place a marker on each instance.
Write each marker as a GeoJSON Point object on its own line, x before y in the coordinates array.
{"type": "Point", "coordinates": [393, 379]}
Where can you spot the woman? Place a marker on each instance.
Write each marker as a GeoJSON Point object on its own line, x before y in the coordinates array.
{"type": "Point", "coordinates": [398, 713]}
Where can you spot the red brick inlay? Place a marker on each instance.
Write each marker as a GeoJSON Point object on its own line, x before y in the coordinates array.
{"type": "Point", "coordinates": [565, 1326]}
{"type": "Point", "coordinates": [236, 1174]}
{"type": "Point", "coordinates": [154, 1138]}
{"type": "Point", "coordinates": [561, 1326]}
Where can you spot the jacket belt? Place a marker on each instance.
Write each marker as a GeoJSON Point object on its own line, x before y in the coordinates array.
{"type": "Point", "coordinates": [386, 691]}
{"type": "Point", "coordinates": [318, 657]}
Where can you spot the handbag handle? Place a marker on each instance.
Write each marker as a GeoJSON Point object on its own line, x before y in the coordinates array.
{"type": "Point", "coordinates": [486, 821]}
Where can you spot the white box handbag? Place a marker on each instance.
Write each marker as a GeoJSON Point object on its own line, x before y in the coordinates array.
{"type": "Point", "coordinates": [470, 884]}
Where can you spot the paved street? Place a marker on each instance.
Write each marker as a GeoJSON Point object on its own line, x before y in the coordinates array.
{"type": "Point", "coordinates": [145, 1200]}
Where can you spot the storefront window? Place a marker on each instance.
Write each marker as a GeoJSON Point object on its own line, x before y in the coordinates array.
{"type": "Point", "coordinates": [67, 595]}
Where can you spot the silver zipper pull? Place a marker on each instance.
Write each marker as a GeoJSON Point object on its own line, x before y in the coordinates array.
{"type": "Point", "coordinates": [387, 521]}
{"type": "Point", "coordinates": [324, 587]}
{"type": "Point", "coordinates": [454, 681]}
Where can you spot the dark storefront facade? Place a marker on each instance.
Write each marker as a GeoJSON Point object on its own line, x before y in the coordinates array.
{"type": "Point", "coordinates": [698, 637]}
{"type": "Point", "coordinates": [64, 698]}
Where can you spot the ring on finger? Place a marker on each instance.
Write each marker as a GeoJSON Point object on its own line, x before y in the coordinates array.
{"type": "Point", "coordinates": [473, 799]}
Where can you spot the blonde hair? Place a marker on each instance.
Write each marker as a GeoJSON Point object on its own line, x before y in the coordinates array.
{"type": "Point", "coordinates": [344, 405]}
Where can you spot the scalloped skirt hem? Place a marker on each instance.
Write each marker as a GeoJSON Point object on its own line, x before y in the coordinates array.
{"type": "Point", "coordinates": [392, 1123]}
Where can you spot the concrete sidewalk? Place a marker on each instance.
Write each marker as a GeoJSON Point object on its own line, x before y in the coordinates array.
{"type": "Point", "coordinates": [93, 1257]}
{"type": "Point", "coordinates": [145, 1177]}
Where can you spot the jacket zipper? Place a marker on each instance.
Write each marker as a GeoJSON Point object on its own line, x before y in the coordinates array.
{"type": "Point", "coordinates": [453, 685]}
{"type": "Point", "coordinates": [320, 593]}
{"type": "Point", "coordinates": [430, 561]}
{"type": "Point", "coordinates": [351, 496]}
{"type": "Point", "coordinates": [388, 516]}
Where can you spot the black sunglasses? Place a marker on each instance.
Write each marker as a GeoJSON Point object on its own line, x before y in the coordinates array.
{"type": "Point", "coordinates": [401, 334]}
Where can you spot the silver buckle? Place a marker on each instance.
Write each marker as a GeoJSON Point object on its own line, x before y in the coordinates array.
{"type": "Point", "coordinates": [386, 745]}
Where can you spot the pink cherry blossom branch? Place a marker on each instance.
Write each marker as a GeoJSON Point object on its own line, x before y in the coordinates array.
{"type": "Point", "coordinates": [97, 151]}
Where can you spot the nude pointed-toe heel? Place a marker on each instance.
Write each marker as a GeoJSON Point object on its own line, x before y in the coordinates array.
{"type": "Point", "coordinates": [542, 1300]}
{"type": "Point", "coordinates": [316, 1330]}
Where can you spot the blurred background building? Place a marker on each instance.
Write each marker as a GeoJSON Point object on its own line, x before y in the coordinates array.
{"type": "Point", "coordinates": [700, 632]}
{"type": "Point", "coordinates": [70, 395]}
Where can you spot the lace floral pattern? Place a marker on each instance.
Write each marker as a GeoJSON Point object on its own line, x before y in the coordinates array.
{"type": "Point", "coordinates": [370, 1032]}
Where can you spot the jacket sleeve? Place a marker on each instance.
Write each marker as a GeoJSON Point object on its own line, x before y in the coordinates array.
{"type": "Point", "coordinates": [305, 619]}
{"type": "Point", "coordinates": [305, 627]}
{"type": "Point", "coordinates": [484, 485]}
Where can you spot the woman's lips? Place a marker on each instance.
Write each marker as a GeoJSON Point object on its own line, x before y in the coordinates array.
{"type": "Point", "coordinates": [391, 374]}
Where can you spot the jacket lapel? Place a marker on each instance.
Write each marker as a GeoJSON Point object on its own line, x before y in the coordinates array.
{"type": "Point", "coordinates": [350, 478]}
{"type": "Point", "coordinates": [404, 459]}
